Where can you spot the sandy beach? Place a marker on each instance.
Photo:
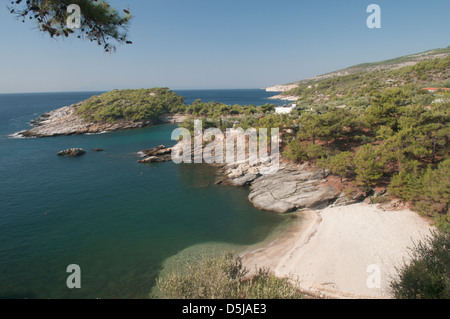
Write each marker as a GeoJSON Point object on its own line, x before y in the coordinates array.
{"type": "Point", "coordinates": [335, 252]}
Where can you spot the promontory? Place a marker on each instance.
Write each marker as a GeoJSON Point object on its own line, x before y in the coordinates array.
{"type": "Point", "coordinates": [111, 111]}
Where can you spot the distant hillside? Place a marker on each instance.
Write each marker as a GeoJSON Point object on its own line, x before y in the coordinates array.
{"type": "Point", "coordinates": [390, 64]}
{"type": "Point", "coordinates": [354, 89]}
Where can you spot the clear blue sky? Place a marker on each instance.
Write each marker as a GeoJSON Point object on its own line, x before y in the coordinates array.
{"type": "Point", "coordinates": [187, 44]}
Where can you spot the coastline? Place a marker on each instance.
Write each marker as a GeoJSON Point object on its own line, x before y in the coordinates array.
{"type": "Point", "coordinates": [300, 252]}
{"type": "Point", "coordinates": [291, 98]}
{"type": "Point", "coordinates": [64, 121]}
{"type": "Point", "coordinates": [216, 248]}
{"type": "Point", "coordinates": [330, 251]}
{"type": "Point", "coordinates": [264, 254]}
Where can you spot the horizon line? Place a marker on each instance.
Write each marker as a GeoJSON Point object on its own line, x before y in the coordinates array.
{"type": "Point", "coordinates": [95, 91]}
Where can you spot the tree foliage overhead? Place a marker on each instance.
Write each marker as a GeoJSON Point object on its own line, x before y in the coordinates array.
{"type": "Point", "coordinates": [100, 23]}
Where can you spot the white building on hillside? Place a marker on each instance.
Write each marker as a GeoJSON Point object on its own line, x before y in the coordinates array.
{"type": "Point", "coordinates": [285, 109]}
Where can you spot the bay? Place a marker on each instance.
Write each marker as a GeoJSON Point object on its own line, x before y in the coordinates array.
{"type": "Point", "coordinates": [119, 220]}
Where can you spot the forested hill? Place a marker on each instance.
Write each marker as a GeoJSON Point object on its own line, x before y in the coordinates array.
{"type": "Point", "coordinates": [356, 89]}
{"type": "Point", "coordinates": [385, 130]}
{"type": "Point", "coordinates": [391, 64]}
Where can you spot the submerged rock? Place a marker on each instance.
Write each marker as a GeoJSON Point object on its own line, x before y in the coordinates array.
{"type": "Point", "coordinates": [72, 152]}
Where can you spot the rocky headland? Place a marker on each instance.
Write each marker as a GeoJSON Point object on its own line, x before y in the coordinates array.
{"type": "Point", "coordinates": [65, 121]}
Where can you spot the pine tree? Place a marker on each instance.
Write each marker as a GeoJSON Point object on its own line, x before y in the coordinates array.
{"type": "Point", "coordinates": [385, 108]}
{"type": "Point", "coordinates": [368, 167]}
{"type": "Point", "coordinates": [99, 21]}
{"type": "Point", "coordinates": [341, 163]}
{"type": "Point", "coordinates": [311, 126]}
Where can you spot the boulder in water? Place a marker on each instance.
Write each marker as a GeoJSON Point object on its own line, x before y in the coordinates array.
{"type": "Point", "coordinates": [156, 154]}
{"type": "Point", "coordinates": [72, 152]}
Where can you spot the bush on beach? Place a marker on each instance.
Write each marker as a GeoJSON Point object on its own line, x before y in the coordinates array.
{"type": "Point", "coordinates": [223, 277]}
{"type": "Point", "coordinates": [427, 276]}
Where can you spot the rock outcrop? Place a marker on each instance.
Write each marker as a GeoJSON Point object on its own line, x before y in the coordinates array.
{"type": "Point", "coordinates": [65, 121]}
{"type": "Point", "coordinates": [72, 152]}
{"type": "Point", "coordinates": [345, 200]}
{"type": "Point", "coordinates": [281, 88]}
{"type": "Point", "coordinates": [285, 97]}
{"type": "Point", "coordinates": [278, 187]}
{"type": "Point", "coordinates": [156, 154]}
{"type": "Point", "coordinates": [291, 188]}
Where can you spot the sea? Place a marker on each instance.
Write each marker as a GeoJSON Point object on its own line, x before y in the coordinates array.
{"type": "Point", "coordinates": [123, 223]}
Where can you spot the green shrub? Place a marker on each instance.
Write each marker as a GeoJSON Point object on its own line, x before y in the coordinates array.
{"type": "Point", "coordinates": [340, 164]}
{"type": "Point", "coordinates": [368, 167]}
{"type": "Point", "coordinates": [223, 277]}
{"type": "Point", "coordinates": [295, 151]}
{"type": "Point", "coordinates": [427, 276]}
{"type": "Point", "coordinates": [428, 190]}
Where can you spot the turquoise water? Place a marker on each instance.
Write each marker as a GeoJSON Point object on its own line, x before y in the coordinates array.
{"type": "Point", "coordinates": [119, 220]}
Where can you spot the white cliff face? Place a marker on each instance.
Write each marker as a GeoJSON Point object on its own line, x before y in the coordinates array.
{"type": "Point", "coordinates": [281, 88]}
{"type": "Point", "coordinates": [291, 98]}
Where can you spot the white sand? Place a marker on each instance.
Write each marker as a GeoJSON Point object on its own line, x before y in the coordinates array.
{"type": "Point", "coordinates": [330, 251]}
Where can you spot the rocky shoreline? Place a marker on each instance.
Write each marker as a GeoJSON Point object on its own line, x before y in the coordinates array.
{"type": "Point", "coordinates": [64, 121]}
{"type": "Point", "coordinates": [293, 187]}
{"type": "Point", "coordinates": [291, 98]}
{"type": "Point", "coordinates": [281, 87]}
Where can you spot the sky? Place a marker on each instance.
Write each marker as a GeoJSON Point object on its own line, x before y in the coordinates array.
{"type": "Point", "coordinates": [228, 44]}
